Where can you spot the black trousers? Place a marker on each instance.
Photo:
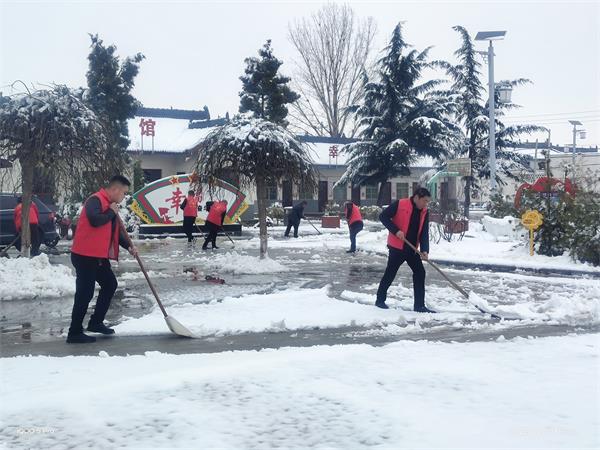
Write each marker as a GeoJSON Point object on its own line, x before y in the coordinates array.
{"type": "Point", "coordinates": [88, 271]}
{"type": "Point", "coordinates": [355, 228]}
{"type": "Point", "coordinates": [188, 227]}
{"type": "Point", "coordinates": [213, 230]}
{"type": "Point", "coordinates": [36, 239]}
{"type": "Point", "coordinates": [289, 227]}
{"type": "Point", "coordinates": [395, 259]}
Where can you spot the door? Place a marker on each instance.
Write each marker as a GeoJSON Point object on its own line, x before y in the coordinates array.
{"type": "Point", "coordinates": [322, 195]}
{"type": "Point", "coordinates": [356, 195]}
{"type": "Point", "coordinates": [287, 199]}
{"type": "Point", "coordinates": [386, 195]}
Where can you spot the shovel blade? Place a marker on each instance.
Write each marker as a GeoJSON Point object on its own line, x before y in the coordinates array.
{"type": "Point", "coordinates": [176, 327]}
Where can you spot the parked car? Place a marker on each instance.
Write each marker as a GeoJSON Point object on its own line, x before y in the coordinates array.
{"type": "Point", "coordinates": [8, 202]}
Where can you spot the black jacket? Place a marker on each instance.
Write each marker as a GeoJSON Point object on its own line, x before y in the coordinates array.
{"type": "Point", "coordinates": [296, 213]}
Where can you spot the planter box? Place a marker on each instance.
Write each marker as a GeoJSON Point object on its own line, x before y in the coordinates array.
{"type": "Point", "coordinates": [330, 222]}
{"type": "Point", "coordinates": [457, 226]}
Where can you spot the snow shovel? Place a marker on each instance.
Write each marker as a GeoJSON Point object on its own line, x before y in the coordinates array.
{"type": "Point", "coordinates": [227, 234]}
{"type": "Point", "coordinates": [174, 325]}
{"type": "Point", "coordinates": [313, 225]}
{"type": "Point", "coordinates": [4, 251]}
{"type": "Point", "coordinates": [454, 285]}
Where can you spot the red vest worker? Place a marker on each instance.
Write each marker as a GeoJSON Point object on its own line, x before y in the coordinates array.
{"type": "Point", "coordinates": [96, 241]}
{"type": "Point", "coordinates": [355, 224]}
{"type": "Point", "coordinates": [407, 219]}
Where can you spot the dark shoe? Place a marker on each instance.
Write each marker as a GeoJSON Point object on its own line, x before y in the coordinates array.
{"type": "Point", "coordinates": [204, 248]}
{"type": "Point", "coordinates": [80, 338]}
{"type": "Point", "coordinates": [382, 305]}
{"type": "Point", "coordinates": [100, 328]}
{"type": "Point", "coordinates": [350, 251]}
{"type": "Point", "coordinates": [424, 309]}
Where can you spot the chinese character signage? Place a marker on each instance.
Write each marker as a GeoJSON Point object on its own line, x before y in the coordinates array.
{"type": "Point", "coordinates": [160, 201]}
{"type": "Point", "coordinates": [147, 129]}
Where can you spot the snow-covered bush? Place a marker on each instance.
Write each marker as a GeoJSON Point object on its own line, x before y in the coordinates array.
{"type": "Point", "coordinates": [276, 212]}
{"type": "Point", "coordinates": [334, 209]}
{"type": "Point", "coordinates": [371, 212]}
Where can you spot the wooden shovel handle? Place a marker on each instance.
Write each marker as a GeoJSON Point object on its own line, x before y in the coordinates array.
{"type": "Point", "coordinates": [454, 285]}
{"type": "Point", "coordinates": [137, 257]}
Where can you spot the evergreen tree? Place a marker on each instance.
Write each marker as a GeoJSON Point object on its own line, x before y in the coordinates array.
{"type": "Point", "coordinates": [400, 118]}
{"type": "Point", "coordinates": [53, 128]}
{"type": "Point", "coordinates": [110, 82]}
{"type": "Point", "coordinates": [264, 92]}
{"type": "Point", "coordinates": [472, 115]}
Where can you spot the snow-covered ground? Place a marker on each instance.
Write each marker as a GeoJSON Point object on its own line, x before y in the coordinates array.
{"type": "Point", "coordinates": [300, 309]}
{"type": "Point", "coordinates": [525, 393]}
{"type": "Point", "coordinates": [477, 246]}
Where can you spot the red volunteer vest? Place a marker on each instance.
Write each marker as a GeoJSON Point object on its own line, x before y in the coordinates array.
{"type": "Point", "coordinates": [215, 213]}
{"type": "Point", "coordinates": [33, 215]}
{"type": "Point", "coordinates": [98, 242]}
{"type": "Point", "coordinates": [402, 220]}
{"type": "Point", "coordinates": [191, 206]}
{"type": "Point", "coordinates": [355, 215]}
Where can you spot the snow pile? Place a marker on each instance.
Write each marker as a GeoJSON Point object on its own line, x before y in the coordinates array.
{"type": "Point", "coordinates": [507, 394]}
{"type": "Point", "coordinates": [33, 278]}
{"type": "Point", "coordinates": [507, 228]}
{"type": "Point", "coordinates": [573, 311]}
{"type": "Point", "coordinates": [478, 302]}
{"type": "Point", "coordinates": [234, 262]}
{"type": "Point", "coordinates": [286, 310]}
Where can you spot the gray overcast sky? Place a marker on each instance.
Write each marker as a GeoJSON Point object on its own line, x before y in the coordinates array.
{"type": "Point", "coordinates": [195, 50]}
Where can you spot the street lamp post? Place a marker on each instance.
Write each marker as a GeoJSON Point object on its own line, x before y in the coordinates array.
{"type": "Point", "coordinates": [575, 124]}
{"type": "Point", "coordinates": [491, 36]}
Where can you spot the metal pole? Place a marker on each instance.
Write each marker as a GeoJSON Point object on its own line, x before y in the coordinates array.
{"type": "Point", "coordinates": [535, 167]}
{"type": "Point", "coordinates": [492, 132]}
{"type": "Point", "coordinates": [574, 148]}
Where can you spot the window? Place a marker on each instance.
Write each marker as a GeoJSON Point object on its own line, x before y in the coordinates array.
{"type": "Point", "coordinates": [401, 190]}
{"type": "Point", "coordinates": [271, 192]}
{"type": "Point", "coordinates": [151, 175]}
{"type": "Point", "coordinates": [372, 192]}
{"type": "Point", "coordinates": [340, 194]}
{"type": "Point", "coordinates": [305, 194]}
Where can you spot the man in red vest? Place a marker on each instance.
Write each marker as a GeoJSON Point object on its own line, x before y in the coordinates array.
{"type": "Point", "coordinates": [190, 212]}
{"type": "Point", "coordinates": [96, 241]}
{"type": "Point", "coordinates": [214, 222]}
{"type": "Point", "coordinates": [355, 224]}
{"type": "Point", "coordinates": [407, 219]}
{"type": "Point", "coordinates": [33, 226]}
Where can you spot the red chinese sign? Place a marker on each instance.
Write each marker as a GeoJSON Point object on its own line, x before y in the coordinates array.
{"type": "Point", "coordinates": [176, 199]}
{"type": "Point", "coordinates": [333, 151]}
{"type": "Point", "coordinates": [147, 127]}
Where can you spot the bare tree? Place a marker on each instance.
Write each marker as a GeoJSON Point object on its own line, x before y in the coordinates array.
{"type": "Point", "coordinates": [334, 56]}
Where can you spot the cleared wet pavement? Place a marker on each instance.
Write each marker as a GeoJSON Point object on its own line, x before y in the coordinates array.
{"type": "Point", "coordinates": [37, 326]}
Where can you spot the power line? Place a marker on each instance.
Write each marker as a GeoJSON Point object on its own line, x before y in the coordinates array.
{"type": "Point", "coordinates": [558, 114]}
{"type": "Point", "coordinates": [550, 121]}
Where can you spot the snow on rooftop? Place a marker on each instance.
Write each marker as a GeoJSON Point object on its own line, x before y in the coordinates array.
{"type": "Point", "coordinates": [319, 152]}
{"type": "Point", "coordinates": [171, 135]}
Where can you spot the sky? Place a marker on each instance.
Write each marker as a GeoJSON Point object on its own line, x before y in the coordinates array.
{"type": "Point", "coordinates": [195, 50]}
